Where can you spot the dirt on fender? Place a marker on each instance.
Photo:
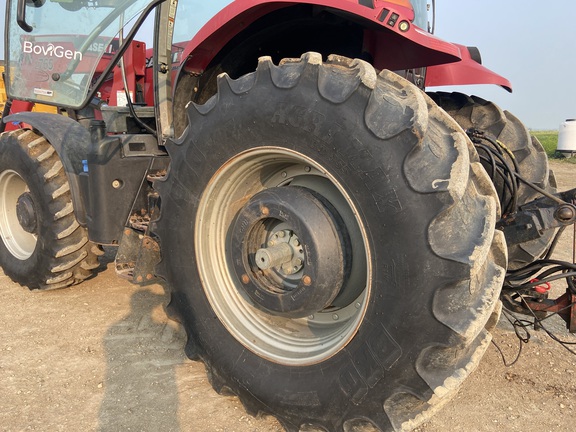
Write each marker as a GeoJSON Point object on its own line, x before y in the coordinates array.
{"type": "Point", "coordinates": [103, 356]}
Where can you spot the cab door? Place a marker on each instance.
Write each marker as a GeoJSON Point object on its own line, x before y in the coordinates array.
{"type": "Point", "coordinates": [57, 49]}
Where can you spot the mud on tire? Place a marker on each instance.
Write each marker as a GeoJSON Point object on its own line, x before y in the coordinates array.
{"type": "Point", "coordinates": [42, 245]}
{"type": "Point", "coordinates": [475, 112]}
{"type": "Point", "coordinates": [409, 215]}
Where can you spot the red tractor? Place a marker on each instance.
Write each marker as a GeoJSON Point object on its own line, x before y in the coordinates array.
{"type": "Point", "coordinates": [335, 240]}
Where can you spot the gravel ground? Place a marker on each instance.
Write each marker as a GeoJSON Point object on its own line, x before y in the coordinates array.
{"type": "Point", "coordinates": [103, 356]}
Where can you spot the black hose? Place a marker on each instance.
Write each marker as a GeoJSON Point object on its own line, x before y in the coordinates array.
{"type": "Point", "coordinates": [5, 113]}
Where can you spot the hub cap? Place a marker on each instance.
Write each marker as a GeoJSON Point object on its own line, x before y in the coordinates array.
{"type": "Point", "coordinates": [294, 248]}
{"type": "Point", "coordinates": [265, 225]}
{"type": "Point", "coordinates": [15, 205]}
{"type": "Point", "coordinates": [26, 213]}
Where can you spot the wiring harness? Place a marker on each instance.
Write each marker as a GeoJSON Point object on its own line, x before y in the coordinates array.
{"type": "Point", "coordinates": [526, 290]}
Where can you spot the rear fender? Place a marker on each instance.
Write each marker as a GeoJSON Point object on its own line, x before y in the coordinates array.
{"type": "Point", "coordinates": [70, 140]}
{"type": "Point", "coordinates": [245, 30]}
{"type": "Point", "coordinates": [388, 46]}
{"type": "Point", "coordinates": [465, 72]}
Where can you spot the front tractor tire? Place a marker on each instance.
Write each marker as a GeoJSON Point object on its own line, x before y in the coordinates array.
{"type": "Point", "coordinates": [42, 245]}
{"type": "Point", "coordinates": [328, 237]}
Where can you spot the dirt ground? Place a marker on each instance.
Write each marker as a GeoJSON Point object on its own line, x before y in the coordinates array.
{"type": "Point", "coordinates": [103, 356]}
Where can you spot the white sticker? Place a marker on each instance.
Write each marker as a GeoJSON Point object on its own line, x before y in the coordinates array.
{"type": "Point", "coordinates": [43, 92]}
{"type": "Point", "coordinates": [121, 98]}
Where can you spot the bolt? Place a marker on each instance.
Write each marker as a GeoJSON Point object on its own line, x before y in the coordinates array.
{"type": "Point", "coordinates": [245, 279]}
{"type": "Point", "coordinates": [116, 184]}
{"type": "Point", "coordinates": [139, 279]}
{"type": "Point", "coordinates": [298, 262]}
{"type": "Point", "coordinates": [307, 280]}
{"type": "Point", "coordinates": [357, 305]}
{"type": "Point", "coordinates": [265, 211]}
{"type": "Point", "coordinates": [284, 174]}
{"type": "Point", "coordinates": [280, 234]}
{"type": "Point", "coordinates": [566, 213]}
{"type": "Point", "coordinates": [307, 169]}
{"type": "Point", "coordinates": [287, 269]}
{"type": "Point", "coordinates": [335, 317]}
{"type": "Point", "coordinates": [295, 242]}
{"type": "Point", "coordinates": [149, 276]}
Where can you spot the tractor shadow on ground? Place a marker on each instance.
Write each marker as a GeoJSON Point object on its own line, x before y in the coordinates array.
{"type": "Point", "coordinates": [142, 350]}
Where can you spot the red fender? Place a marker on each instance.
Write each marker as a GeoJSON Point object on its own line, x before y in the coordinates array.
{"type": "Point", "coordinates": [408, 48]}
{"type": "Point", "coordinates": [465, 72]}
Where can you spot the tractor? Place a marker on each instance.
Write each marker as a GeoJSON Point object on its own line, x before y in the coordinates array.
{"type": "Point", "coordinates": [337, 241]}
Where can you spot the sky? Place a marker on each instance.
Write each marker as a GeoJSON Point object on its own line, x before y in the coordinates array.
{"type": "Point", "coordinates": [532, 44]}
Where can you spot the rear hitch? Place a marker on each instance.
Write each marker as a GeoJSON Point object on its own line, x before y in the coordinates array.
{"type": "Point", "coordinates": [526, 290]}
{"type": "Point", "coordinates": [532, 220]}
{"type": "Point", "coordinates": [540, 306]}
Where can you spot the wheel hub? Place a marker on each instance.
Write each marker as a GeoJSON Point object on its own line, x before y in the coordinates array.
{"type": "Point", "coordinates": [284, 253]}
{"type": "Point", "coordinates": [290, 251]}
{"type": "Point", "coordinates": [26, 213]}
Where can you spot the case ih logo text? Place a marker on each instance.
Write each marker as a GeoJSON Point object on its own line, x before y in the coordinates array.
{"type": "Point", "coordinates": [51, 50]}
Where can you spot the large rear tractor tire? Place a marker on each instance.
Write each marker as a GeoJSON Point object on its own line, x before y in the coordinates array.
{"type": "Point", "coordinates": [328, 237]}
{"type": "Point", "coordinates": [42, 245]}
{"type": "Point", "coordinates": [472, 112]}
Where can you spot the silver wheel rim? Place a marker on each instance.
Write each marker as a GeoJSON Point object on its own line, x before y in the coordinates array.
{"type": "Point", "coordinates": [20, 244]}
{"type": "Point", "coordinates": [294, 342]}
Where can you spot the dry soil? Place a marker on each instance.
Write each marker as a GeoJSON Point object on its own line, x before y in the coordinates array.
{"type": "Point", "coordinates": [102, 356]}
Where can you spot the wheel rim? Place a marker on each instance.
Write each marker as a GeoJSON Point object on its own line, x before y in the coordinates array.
{"type": "Point", "coordinates": [289, 341]}
{"type": "Point", "coordinates": [20, 243]}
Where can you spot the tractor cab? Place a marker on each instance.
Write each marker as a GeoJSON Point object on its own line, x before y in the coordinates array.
{"type": "Point", "coordinates": [56, 49]}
